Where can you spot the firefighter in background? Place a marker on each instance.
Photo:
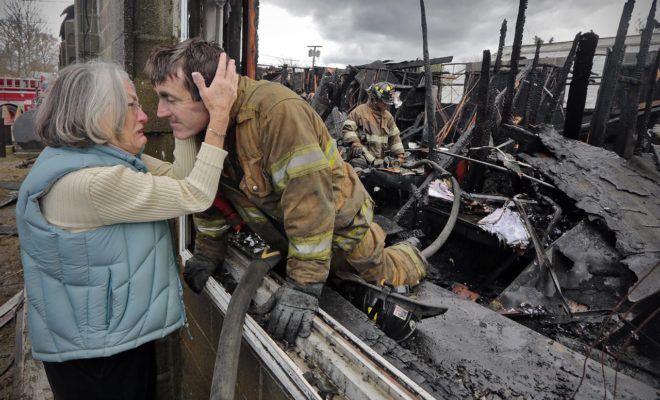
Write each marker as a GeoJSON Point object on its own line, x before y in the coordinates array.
{"type": "Point", "coordinates": [284, 171]}
{"type": "Point", "coordinates": [370, 130]}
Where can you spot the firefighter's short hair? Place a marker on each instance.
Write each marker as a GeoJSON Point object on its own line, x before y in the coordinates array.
{"type": "Point", "coordinates": [192, 55]}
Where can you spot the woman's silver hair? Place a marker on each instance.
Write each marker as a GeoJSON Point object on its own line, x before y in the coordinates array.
{"type": "Point", "coordinates": [86, 105]}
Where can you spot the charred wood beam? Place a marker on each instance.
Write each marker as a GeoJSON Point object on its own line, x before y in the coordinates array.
{"type": "Point", "coordinates": [642, 55]}
{"type": "Point", "coordinates": [520, 78]}
{"type": "Point", "coordinates": [626, 139]}
{"type": "Point", "coordinates": [406, 100]}
{"type": "Point", "coordinates": [446, 160]}
{"type": "Point", "coordinates": [577, 94]}
{"type": "Point", "coordinates": [562, 76]}
{"type": "Point", "coordinates": [411, 132]}
{"type": "Point", "coordinates": [250, 40]}
{"type": "Point", "coordinates": [532, 83]}
{"type": "Point", "coordinates": [417, 64]}
{"type": "Point", "coordinates": [415, 128]}
{"type": "Point", "coordinates": [629, 104]}
{"type": "Point", "coordinates": [544, 263]}
{"type": "Point", "coordinates": [306, 79]}
{"type": "Point", "coordinates": [284, 76]}
{"type": "Point", "coordinates": [321, 99]}
{"type": "Point", "coordinates": [416, 194]}
{"type": "Point", "coordinates": [340, 95]}
{"type": "Point", "coordinates": [513, 70]}
{"type": "Point", "coordinates": [500, 49]}
{"type": "Point", "coordinates": [613, 120]}
{"type": "Point", "coordinates": [555, 216]}
{"type": "Point", "coordinates": [643, 142]}
{"type": "Point", "coordinates": [428, 86]}
{"type": "Point", "coordinates": [476, 171]}
{"type": "Point", "coordinates": [497, 167]}
{"type": "Point", "coordinates": [539, 95]}
{"type": "Point", "coordinates": [608, 82]}
{"type": "Point", "coordinates": [529, 142]}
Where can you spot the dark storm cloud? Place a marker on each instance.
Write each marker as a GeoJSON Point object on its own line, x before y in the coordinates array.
{"type": "Point", "coordinates": [391, 29]}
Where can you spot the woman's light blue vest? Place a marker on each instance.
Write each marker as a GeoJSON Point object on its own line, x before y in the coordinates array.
{"type": "Point", "coordinates": [99, 292]}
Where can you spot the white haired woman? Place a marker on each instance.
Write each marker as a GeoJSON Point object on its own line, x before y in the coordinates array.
{"type": "Point", "coordinates": [100, 272]}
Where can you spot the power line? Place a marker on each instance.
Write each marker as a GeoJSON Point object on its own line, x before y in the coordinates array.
{"type": "Point", "coordinates": [278, 57]}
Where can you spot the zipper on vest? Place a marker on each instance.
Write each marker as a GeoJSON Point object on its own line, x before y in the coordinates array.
{"type": "Point", "coordinates": [108, 302]}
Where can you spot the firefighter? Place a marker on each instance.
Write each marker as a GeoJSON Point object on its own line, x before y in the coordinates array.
{"type": "Point", "coordinates": [283, 173]}
{"type": "Point", "coordinates": [370, 130]}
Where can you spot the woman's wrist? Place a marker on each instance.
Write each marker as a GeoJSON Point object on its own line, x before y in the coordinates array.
{"type": "Point", "coordinates": [217, 126]}
{"type": "Point", "coordinates": [216, 132]}
{"type": "Point", "coordinates": [215, 136]}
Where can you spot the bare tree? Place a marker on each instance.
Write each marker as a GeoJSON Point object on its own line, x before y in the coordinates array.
{"type": "Point", "coordinates": [25, 46]}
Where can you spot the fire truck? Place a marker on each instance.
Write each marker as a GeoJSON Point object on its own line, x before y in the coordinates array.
{"type": "Point", "coordinates": [18, 95]}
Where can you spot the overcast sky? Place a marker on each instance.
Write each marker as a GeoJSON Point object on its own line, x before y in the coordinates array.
{"type": "Point", "coordinates": [358, 32]}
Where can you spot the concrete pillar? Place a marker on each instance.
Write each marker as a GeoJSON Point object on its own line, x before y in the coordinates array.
{"type": "Point", "coordinates": [152, 23]}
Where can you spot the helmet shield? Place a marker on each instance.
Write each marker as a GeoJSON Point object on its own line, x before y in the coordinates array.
{"type": "Point", "coordinates": [382, 91]}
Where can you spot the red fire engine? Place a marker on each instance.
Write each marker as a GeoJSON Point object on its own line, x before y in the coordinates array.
{"type": "Point", "coordinates": [21, 92]}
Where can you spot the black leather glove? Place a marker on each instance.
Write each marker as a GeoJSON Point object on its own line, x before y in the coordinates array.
{"type": "Point", "coordinates": [197, 271]}
{"type": "Point", "coordinates": [292, 309]}
{"type": "Point", "coordinates": [356, 150]}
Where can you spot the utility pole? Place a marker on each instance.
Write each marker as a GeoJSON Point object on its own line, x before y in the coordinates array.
{"type": "Point", "coordinates": [314, 53]}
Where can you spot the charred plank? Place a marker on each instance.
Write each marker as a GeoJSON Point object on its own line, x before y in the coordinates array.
{"type": "Point", "coordinates": [562, 76]}
{"type": "Point", "coordinates": [577, 94]}
{"type": "Point", "coordinates": [608, 83]}
{"type": "Point", "coordinates": [513, 68]}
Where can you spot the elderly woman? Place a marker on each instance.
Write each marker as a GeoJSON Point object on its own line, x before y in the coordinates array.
{"type": "Point", "coordinates": [100, 271]}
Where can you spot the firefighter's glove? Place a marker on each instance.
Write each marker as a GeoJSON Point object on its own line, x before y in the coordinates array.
{"type": "Point", "coordinates": [292, 309]}
{"type": "Point", "coordinates": [356, 150]}
{"type": "Point", "coordinates": [197, 271]}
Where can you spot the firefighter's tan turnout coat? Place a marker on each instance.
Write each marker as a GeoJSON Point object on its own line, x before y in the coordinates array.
{"type": "Point", "coordinates": [285, 168]}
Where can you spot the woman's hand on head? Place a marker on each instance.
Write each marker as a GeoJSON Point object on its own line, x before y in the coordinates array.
{"type": "Point", "coordinates": [220, 95]}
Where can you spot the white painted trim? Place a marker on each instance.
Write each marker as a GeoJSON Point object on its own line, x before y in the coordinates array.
{"type": "Point", "coordinates": [183, 20]}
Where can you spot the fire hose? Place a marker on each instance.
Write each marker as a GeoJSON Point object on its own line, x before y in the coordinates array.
{"type": "Point", "coordinates": [225, 370]}
{"type": "Point", "coordinates": [455, 208]}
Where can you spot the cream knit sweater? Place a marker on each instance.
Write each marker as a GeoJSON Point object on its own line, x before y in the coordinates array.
{"type": "Point", "coordinates": [92, 197]}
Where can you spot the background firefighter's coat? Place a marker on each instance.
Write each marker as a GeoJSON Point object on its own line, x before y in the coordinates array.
{"type": "Point", "coordinates": [375, 129]}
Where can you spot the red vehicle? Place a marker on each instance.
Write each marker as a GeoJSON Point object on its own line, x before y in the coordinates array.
{"type": "Point", "coordinates": [19, 92]}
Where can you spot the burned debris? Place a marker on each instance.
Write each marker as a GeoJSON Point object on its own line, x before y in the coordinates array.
{"type": "Point", "coordinates": [558, 223]}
